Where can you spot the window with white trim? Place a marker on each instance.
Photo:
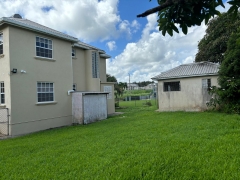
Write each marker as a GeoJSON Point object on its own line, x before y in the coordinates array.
{"type": "Point", "coordinates": [95, 65]}
{"type": "Point", "coordinates": [206, 83]}
{"type": "Point", "coordinates": [2, 93]}
{"type": "Point", "coordinates": [1, 43]}
{"type": "Point", "coordinates": [43, 47]}
{"type": "Point", "coordinates": [45, 92]}
{"type": "Point", "coordinates": [73, 53]}
{"type": "Point", "coordinates": [74, 86]}
{"type": "Point", "coordinates": [171, 86]}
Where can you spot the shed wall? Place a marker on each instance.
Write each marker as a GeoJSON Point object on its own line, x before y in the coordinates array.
{"type": "Point", "coordinates": [192, 96]}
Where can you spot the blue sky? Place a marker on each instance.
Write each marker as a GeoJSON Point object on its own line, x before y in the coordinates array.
{"type": "Point", "coordinates": [135, 44]}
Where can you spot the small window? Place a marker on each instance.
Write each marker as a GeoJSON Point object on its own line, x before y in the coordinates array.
{"type": "Point", "coordinates": [171, 86]}
{"type": "Point", "coordinates": [95, 66]}
{"type": "Point", "coordinates": [73, 53]}
{"type": "Point", "coordinates": [74, 86]}
{"type": "Point", "coordinates": [2, 93]}
{"type": "Point", "coordinates": [45, 92]}
{"type": "Point", "coordinates": [206, 83]}
{"type": "Point", "coordinates": [43, 47]}
{"type": "Point", "coordinates": [1, 43]}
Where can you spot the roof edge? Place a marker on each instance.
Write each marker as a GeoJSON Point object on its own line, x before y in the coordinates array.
{"type": "Point", "coordinates": [10, 22]}
{"type": "Point", "coordinates": [178, 77]}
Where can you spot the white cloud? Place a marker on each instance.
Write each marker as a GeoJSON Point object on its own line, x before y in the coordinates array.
{"type": "Point", "coordinates": [155, 53]}
{"type": "Point", "coordinates": [89, 20]}
{"type": "Point", "coordinates": [111, 45]}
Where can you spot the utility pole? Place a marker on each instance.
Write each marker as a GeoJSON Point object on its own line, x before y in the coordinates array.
{"type": "Point", "coordinates": [129, 81]}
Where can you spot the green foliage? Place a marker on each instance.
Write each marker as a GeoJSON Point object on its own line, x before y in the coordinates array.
{"type": "Point", "coordinates": [187, 13]}
{"type": "Point", "coordinates": [111, 78]}
{"type": "Point", "coordinates": [139, 144]}
{"type": "Point", "coordinates": [229, 73]}
{"type": "Point", "coordinates": [118, 87]}
{"type": "Point", "coordinates": [214, 44]}
{"type": "Point", "coordinates": [228, 96]}
{"type": "Point", "coordinates": [143, 83]}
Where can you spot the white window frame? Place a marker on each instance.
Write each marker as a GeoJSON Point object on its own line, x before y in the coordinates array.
{"type": "Point", "coordinates": [43, 89]}
{"type": "Point", "coordinates": [1, 42]}
{"type": "Point", "coordinates": [74, 86]}
{"type": "Point", "coordinates": [50, 47]}
{"type": "Point", "coordinates": [2, 93]}
{"type": "Point", "coordinates": [73, 52]}
{"type": "Point", "coordinates": [95, 64]}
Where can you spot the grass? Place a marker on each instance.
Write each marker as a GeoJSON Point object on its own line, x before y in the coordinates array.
{"type": "Point", "coordinates": [140, 144]}
{"type": "Point", "coordinates": [140, 92]}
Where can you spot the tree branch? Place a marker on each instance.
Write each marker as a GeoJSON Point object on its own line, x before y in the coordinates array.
{"type": "Point", "coordinates": [156, 9]}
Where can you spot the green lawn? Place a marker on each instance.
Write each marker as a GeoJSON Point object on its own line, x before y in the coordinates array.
{"type": "Point", "coordinates": [140, 144]}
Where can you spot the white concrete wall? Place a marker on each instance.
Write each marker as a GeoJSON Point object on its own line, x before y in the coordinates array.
{"type": "Point", "coordinates": [88, 108]}
{"type": "Point", "coordinates": [190, 98]}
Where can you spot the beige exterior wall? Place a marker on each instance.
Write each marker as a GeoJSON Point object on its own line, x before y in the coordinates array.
{"type": "Point", "coordinates": [110, 98]}
{"type": "Point", "coordinates": [79, 69]}
{"type": "Point", "coordinates": [26, 114]}
{"type": "Point", "coordinates": [5, 68]}
{"type": "Point", "coordinates": [190, 98]}
{"type": "Point", "coordinates": [102, 70]}
{"type": "Point", "coordinates": [92, 84]}
{"type": "Point", "coordinates": [5, 77]}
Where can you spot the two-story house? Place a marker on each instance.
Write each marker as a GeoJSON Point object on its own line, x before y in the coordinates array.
{"type": "Point", "coordinates": [39, 66]}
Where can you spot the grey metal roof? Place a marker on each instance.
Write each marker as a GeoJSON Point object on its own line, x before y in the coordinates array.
{"type": "Point", "coordinates": [88, 47]}
{"type": "Point", "coordinates": [189, 70]}
{"type": "Point", "coordinates": [27, 24]}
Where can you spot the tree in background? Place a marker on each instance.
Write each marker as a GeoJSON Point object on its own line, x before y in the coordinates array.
{"type": "Point", "coordinates": [214, 44]}
{"type": "Point", "coordinates": [111, 78]}
{"type": "Point", "coordinates": [229, 74]}
{"type": "Point", "coordinates": [187, 13]}
{"type": "Point", "coordinates": [228, 95]}
{"type": "Point", "coordinates": [118, 87]}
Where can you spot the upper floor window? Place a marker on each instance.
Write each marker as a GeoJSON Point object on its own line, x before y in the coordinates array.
{"type": "Point", "coordinates": [171, 86]}
{"type": "Point", "coordinates": [1, 43]}
{"type": "Point", "coordinates": [73, 52]}
{"type": "Point", "coordinates": [2, 93]}
{"type": "Point", "coordinates": [206, 83]}
{"type": "Point", "coordinates": [45, 91]}
{"type": "Point", "coordinates": [95, 65]}
{"type": "Point", "coordinates": [43, 47]}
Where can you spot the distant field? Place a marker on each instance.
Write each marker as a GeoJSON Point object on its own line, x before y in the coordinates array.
{"type": "Point", "coordinates": [139, 144]}
{"type": "Point", "coordinates": [139, 92]}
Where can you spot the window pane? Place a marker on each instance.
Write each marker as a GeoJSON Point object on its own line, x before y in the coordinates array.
{"type": "Point", "coordinates": [171, 86]}
{"type": "Point", "coordinates": [45, 91]}
{"type": "Point", "coordinates": [43, 46]}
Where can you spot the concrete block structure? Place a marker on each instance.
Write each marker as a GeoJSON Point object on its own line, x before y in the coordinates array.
{"type": "Point", "coordinates": [185, 88]}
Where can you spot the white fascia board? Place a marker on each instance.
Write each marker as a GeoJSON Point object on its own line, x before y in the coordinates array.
{"type": "Point", "coordinates": [105, 56]}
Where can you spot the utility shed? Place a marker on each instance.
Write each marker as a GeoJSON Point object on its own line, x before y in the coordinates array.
{"type": "Point", "coordinates": [185, 88]}
{"type": "Point", "coordinates": [89, 107]}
